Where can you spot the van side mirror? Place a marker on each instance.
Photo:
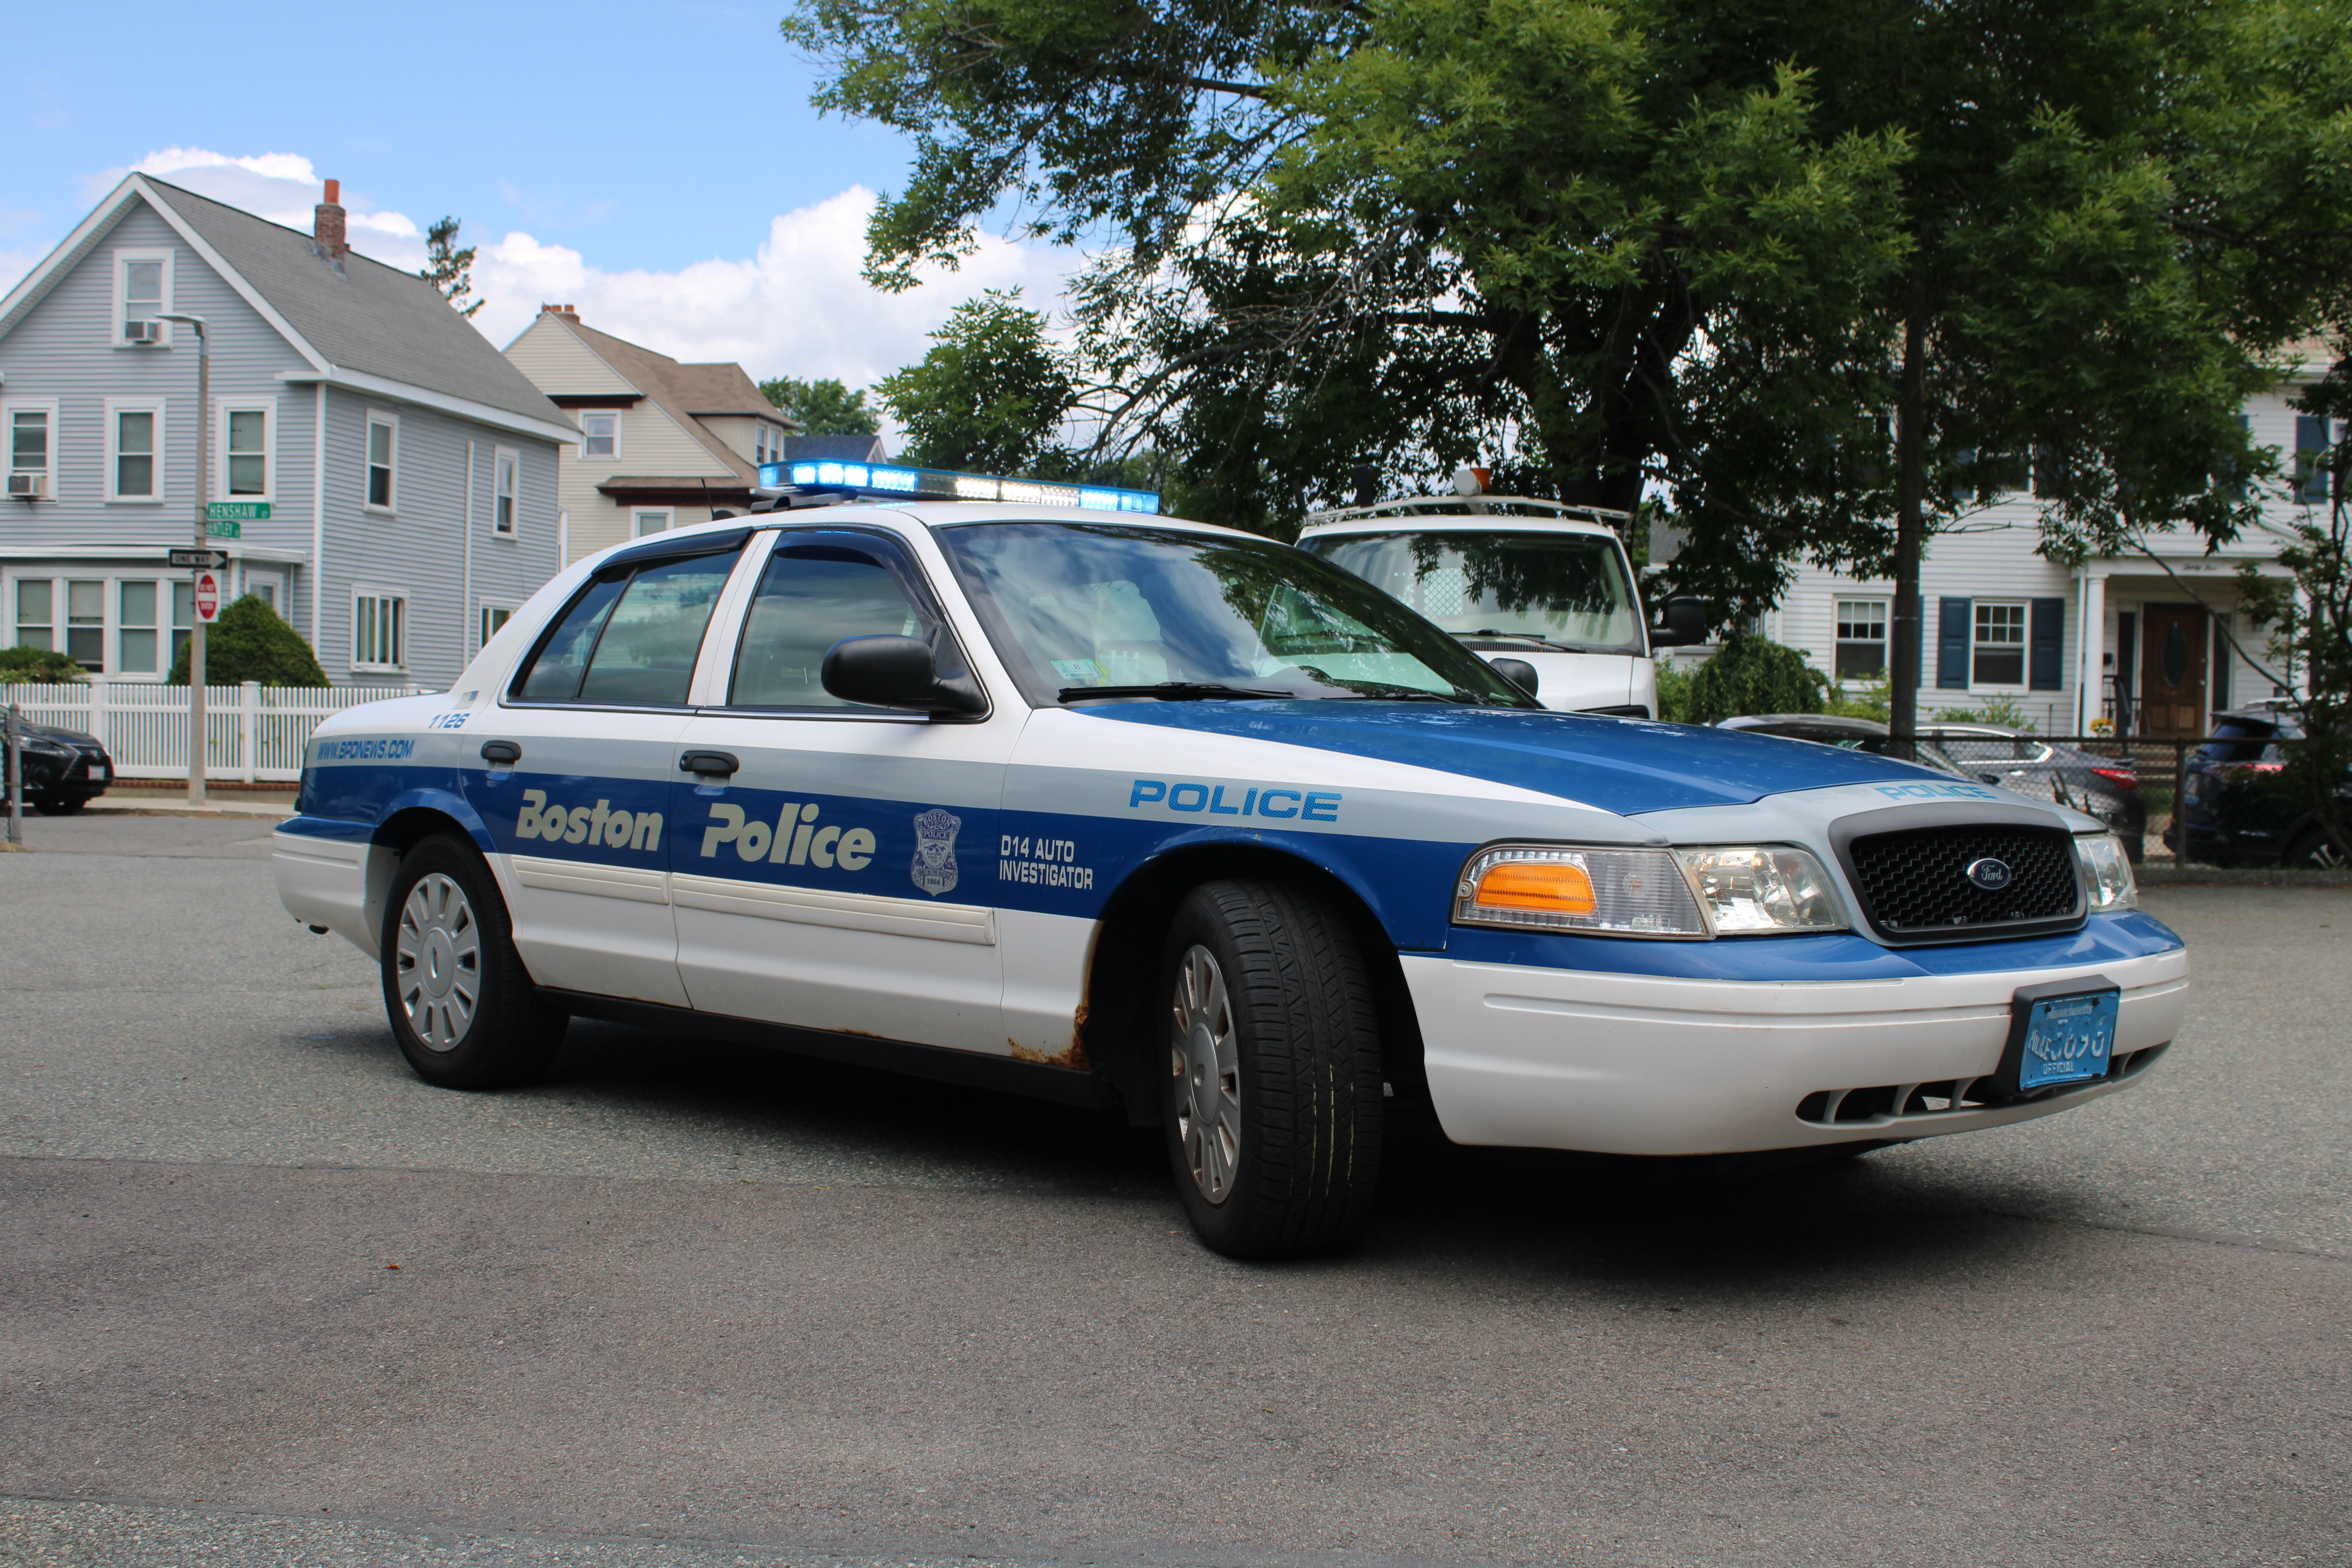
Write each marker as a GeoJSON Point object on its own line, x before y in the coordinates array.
{"type": "Point", "coordinates": [1517, 671]}
{"type": "Point", "coordinates": [897, 672]}
{"type": "Point", "coordinates": [1685, 624]}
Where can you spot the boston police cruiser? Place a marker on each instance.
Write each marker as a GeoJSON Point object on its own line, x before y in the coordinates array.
{"type": "Point", "coordinates": [1041, 791]}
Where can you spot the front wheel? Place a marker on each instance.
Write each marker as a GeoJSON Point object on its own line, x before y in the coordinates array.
{"type": "Point", "coordinates": [2316, 852]}
{"type": "Point", "coordinates": [462, 1006]}
{"type": "Point", "coordinates": [1272, 1097]}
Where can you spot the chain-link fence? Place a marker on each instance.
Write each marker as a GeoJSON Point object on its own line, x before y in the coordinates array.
{"type": "Point", "coordinates": [2224, 791]}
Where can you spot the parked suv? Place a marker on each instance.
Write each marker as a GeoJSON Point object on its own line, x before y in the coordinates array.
{"type": "Point", "coordinates": [2238, 812]}
{"type": "Point", "coordinates": [64, 770]}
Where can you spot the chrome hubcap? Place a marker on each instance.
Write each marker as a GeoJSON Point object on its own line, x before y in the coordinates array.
{"type": "Point", "coordinates": [439, 960]}
{"type": "Point", "coordinates": [1207, 1069]}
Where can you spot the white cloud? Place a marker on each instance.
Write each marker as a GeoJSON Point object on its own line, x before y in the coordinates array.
{"type": "Point", "coordinates": [797, 306]}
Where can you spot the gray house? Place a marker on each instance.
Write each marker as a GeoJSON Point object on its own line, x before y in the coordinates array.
{"type": "Point", "coordinates": [409, 471]}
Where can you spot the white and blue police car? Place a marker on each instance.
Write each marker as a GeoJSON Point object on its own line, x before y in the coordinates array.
{"type": "Point", "coordinates": [1082, 801]}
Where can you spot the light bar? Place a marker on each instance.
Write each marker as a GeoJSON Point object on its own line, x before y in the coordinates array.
{"type": "Point", "coordinates": [940, 484]}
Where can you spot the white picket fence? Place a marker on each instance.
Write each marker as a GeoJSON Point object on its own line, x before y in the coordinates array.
{"type": "Point", "coordinates": [257, 733]}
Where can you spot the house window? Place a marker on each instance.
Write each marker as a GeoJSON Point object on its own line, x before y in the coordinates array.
{"type": "Point", "coordinates": [136, 639]}
{"type": "Point", "coordinates": [2000, 659]}
{"type": "Point", "coordinates": [1860, 639]}
{"type": "Point", "coordinates": [142, 292]}
{"type": "Point", "coordinates": [245, 438]}
{"type": "Point", "coordinates": [379, 630]}
{"type": "Point", "coordinates": [382, 462]}
{"type": "Point", "coordinates": [29, 446]}
{"type": "Point", "coordinates": [600, 434]}
{"type": "Point", "coordinates": [505, 477]}
{"type": "Point", "coordinates": [494, 617]}
{"type": "Point", "coordinates": [86, 622]}
{"type": "Point", "coordinates": [135, 434]}
{"type": "Point", "coordinates": [2311, 450]}
{"type": "Point", "coordinates": [652, 520]}
{"type": "Point", "coordinates": [37, 619]}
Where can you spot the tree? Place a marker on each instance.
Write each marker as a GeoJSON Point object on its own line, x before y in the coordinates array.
{"type": "Point", "coordinates": [25, 665]}
{"type": "Point", "coordinates": [250, 642]}
{"type": "Point", "coordinates": [989, 396]}
{"type": "Point", "coordinates": [2310, 617]}
{"type": "Point", "coordinates": [1749, 674]}
{"type": "Point", "coordinates": [449, 269]}
{"type": "Point", "coordinates": [825, 407]}
{"type": "Point", "coordinates": [1821, 275]}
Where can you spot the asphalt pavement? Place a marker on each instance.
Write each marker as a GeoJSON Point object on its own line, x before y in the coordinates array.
{"type": "Point", "coordinates": [688, 1304]}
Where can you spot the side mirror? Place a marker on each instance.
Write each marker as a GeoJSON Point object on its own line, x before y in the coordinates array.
{"type": "Point", "coordinates": [897, 672]}
{"type": "Point", "coordinates": [1517, 671]}
{"type": "Point", "coordinates": [1685, 624]}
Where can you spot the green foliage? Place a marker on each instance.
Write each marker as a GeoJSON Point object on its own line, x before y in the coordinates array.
{"type": "Point", "coordinates": [250, 642]}
{"type": "Point", "coordinates": [27, 666]}
{"type": "Point", "coordinates": [990, 394]}
{"type": "Point", "coordinates": [1749, 674]}
{"type": "Point", "coordinates": [2003, 710]}
{"type": "Point", "coordinates": [1674, 692]}
{"type": "Point", "coordinates": [1872, 700]}
{"type": "Point", "coordinates": [2310, 617]}
{"type": "Point", "coordinates": [448, 268]}
{"type": "Point", "coordinates": [823, 407]}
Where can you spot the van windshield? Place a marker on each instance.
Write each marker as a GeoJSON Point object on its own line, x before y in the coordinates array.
{"type": "Point", "coordinates": [1566, 590]}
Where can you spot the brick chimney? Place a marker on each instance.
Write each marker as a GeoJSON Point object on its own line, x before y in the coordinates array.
{"type": "Point", "coordinates": [568, 312]}
{"type": "Point", "coordinates": [326, 227]}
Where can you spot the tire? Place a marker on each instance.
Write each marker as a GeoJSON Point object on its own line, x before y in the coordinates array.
{"type": "Point", "coordinates": [60, 803]}
{"type": "Point", "coordinates": [1272, 1088]}
{"type": "Point", "coordinates": [462, 1006]}
{"type": "Point", "coordinates": [2314, 852]}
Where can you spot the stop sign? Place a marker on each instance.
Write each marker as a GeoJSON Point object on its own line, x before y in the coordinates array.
{"type": "Point", "coordinates": [207, 597]}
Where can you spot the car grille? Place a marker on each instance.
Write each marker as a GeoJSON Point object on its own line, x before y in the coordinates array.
{"type": "Point", "coordinates": [1916, 882]}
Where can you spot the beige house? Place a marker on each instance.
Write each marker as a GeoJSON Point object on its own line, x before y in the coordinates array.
{"type": "Point", "coordinates": [662, 444]}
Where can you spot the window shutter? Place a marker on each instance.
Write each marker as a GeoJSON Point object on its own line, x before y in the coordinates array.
{"type": "Point", "coordinates": [1953, 629]}
{"type": "Point", "coordinates": [2047, 668]}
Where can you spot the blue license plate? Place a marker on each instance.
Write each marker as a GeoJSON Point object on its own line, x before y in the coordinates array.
{"type": "Point", "coordinates": [2068, 1039]}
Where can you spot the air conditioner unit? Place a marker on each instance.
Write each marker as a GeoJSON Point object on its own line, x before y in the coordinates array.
{"type": "Point", "coordinates": [28, 487]}
{"type": "Point", "coordinates": [143, 331]}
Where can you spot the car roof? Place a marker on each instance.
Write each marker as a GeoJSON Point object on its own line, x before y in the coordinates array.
{"type": "Point", "coordinates": [1837, 721]}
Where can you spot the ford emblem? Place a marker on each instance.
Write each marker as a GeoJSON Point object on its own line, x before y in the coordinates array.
{"type": "Point", "coordinates": [1990, 874]}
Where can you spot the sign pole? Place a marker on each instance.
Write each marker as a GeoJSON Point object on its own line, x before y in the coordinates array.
{"type": "Point", "coordinates": [15, 779]}
{"type": "Point", "coordinates": [199, 724]}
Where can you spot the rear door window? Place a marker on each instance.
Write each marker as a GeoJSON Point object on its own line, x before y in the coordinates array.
{"type": "Point", "coordinates": [631, 639]}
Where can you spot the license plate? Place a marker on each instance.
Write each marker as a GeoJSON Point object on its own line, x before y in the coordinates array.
{"type": "Point", "coordinates": [2068, 1039]}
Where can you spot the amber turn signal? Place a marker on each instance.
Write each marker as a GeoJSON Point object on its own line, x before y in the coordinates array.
{"type": "Point", "coordinates": [1535, 885]}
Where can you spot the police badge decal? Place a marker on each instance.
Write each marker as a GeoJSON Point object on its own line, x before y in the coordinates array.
{"type": "Point", "coordinates": [935, 861]}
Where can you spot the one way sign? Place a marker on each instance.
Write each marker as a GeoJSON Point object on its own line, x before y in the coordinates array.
{"type": "Point", "coordinates": [202, 560]}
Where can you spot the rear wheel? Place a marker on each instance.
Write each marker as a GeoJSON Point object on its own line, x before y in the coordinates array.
{"type": "Point", "coordinates": [2315, 851]}
{"type": "Point", "coordinates": [1272, 1071]}
{"type": "Point", "coordinates": [462, 1006]}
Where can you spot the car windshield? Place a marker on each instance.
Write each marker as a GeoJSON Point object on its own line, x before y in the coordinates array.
{"type": "Point", "coordinates": [1156, 612]}
{"type": "Point", "coordinates": [1569, 589]}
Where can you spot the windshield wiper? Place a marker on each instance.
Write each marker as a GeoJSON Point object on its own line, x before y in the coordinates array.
{"type": "Point", "coordinates": [1174, 691]}
{"type": "Point", "coordinates": [1524, 636]}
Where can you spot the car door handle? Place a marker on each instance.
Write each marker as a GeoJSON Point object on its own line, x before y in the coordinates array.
{"type": "Point", "coordinates": [711, 764]}
{"type": "Point", "coordinates": [501, 753]}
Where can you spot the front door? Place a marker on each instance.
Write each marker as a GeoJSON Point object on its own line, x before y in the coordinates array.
{"type": "Point", "coordinates": [2172, 669]}
{"type": "Point", "coordinates": [840, 875]}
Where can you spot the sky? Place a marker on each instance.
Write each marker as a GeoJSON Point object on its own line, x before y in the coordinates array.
{"type": "Point", "coordinates": [657, 165]}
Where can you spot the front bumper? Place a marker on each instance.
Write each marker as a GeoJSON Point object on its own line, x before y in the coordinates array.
{"type": "Point", "coordinates": [1631, 1064]}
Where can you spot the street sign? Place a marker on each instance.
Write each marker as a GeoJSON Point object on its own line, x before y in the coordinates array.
{"type": "Point", "coordinates": [214, 559]}
{"type": "Point", "coordinates": [238, 512]}
{"type": "Point", "coordinates": [223, 530]}
{"type": "Point", "coordinates": [208, 595]}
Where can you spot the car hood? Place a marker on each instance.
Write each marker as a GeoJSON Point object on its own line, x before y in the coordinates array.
{"type": "Point", "coordinates": [54, 733]}
{"type": "Point", "coordinates": [1622, 765]}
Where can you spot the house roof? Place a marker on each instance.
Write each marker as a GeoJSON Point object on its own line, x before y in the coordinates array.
{"type": "Point", "coordinates": [835, 449]}
{"type": "Point", "coordinates": [686, 393]}
{"type": "Point", "coordinates": [376, 328]}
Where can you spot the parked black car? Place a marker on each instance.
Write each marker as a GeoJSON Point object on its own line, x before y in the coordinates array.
{"type": "Point", "coordinates": [64, 770]}
{"type": "Point", "coordinates": [2238, 812]}
{"type": "Point", "coordinates": [2106, 789]}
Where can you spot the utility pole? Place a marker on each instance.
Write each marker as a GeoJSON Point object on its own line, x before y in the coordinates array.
{"type": "Point", "coordinates": [199, 724]}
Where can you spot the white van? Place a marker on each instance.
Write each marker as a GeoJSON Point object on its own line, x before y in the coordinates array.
{"type": "Point", "coordinates": [1546, 584]}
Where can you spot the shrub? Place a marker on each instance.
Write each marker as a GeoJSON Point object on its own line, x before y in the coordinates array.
{"type": "Point", "coordinates": [249, 642]}
{"type": "Point", "coordinates": [1754, 674]}
{"type": "Point", "coordinates": [27, 666]}
{"type": "Point", "coordinates": [1873, 700]}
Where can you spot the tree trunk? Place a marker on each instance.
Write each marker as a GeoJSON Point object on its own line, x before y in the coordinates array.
{"type": "Point", "coordinates": [1908, 654]}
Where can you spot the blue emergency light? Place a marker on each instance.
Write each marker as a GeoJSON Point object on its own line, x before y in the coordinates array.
{"type": "Point", "coordinates": [942, 484]}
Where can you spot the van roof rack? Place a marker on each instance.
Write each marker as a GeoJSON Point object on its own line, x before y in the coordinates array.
{"type": "Point", "coordinates": [1472, 506]}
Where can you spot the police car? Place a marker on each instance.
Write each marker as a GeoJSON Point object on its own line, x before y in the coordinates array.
{"type": "Point", "coordinates": [1061, 797]}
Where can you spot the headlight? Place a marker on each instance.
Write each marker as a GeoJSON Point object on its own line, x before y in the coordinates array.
{"type": "Point", "coordinates": [1618, 892]}
{"type": "Point", "coordinates": [2107, 872]}
{"type": "Point", "coordinates": [1749, 889]}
